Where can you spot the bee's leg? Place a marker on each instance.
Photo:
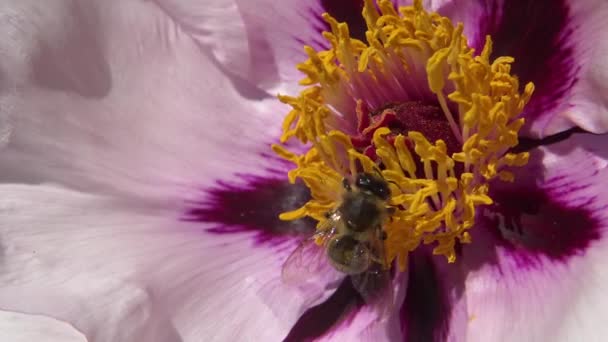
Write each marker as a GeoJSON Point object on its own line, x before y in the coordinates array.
{"type": "Point", "coordinates": [380, 233]}
{"type": "Point", "coordinates": [391, 210]}
{"type": "Point", "coordinates": [373, 248]}
{"type": "Point", "coordinates": [346, 184]}
{"type": "Point", "coordinates": [378, 172]}
{"type": "Point", "coordinates": [393, 182]}
{"type": "Point", "coordinates": [377, 259]}
{"type": "Point", "coordinates": [382, 236]}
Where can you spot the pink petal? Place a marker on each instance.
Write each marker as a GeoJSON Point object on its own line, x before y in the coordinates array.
{"type": "Point", "coordinates": [18, 327]}
{"type": "Point", "coordinates": [135, 273]}
{"type": "Point", "coordinates": [126, 104]}
{"type": "Point", "coordinates": [219, 25]}
{"type": "Point", "coordinates": [544, 280]}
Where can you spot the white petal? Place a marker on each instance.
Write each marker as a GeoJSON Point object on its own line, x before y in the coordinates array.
{"type": "Point", "coordinates": [125, 104]}
{"type": "Point", "coordinates": [120, 273]}
{"type": "Point", "coordinates": [515, 293]}
{"type": "Point", "coordinates": [18, 327]}
{"type": "Point", "coordinates": [279, 42]}
{"type": "Point", "coordinates": [242, 44]}
{"type": "Point", "coordinates": [217, 25]}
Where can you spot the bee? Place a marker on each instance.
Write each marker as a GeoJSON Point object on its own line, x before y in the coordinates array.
{"type": "Point", "coordinates": [351, 240]}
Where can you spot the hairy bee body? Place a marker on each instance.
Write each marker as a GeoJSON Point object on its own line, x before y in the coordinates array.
{"type": "Point", "coordinates": [352, 242]}
{"type": "Point", "coordinates": [357, 225]}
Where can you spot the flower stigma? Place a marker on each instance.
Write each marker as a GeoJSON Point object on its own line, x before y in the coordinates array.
{"type": "Point", "coordinates": [416, 104]}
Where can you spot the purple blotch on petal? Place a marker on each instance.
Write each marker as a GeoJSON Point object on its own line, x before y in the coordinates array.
{"type": "Point", "coordinates": [426, 311]}
{"type": "Point", "coordinates": [530, 223]}
{"type": "Point", "coordinates": [539, 35]}
{"type": "Point", "coordinates": [253, 207]}
{"type": "Point", "coordinates": [348, 11]}
{"type": "Point", "coordinates": [320, 319]}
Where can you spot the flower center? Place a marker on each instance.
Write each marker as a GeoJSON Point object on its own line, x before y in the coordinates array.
{"type": "Point", "coordinates": [416, 106]}
{"type": "Point", "coordinates": [402, 118]}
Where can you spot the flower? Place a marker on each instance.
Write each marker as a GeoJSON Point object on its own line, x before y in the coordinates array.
{"type": "Point", "coordinates": [140, 199]}
{"type": "Point", "coordinates": [440, 143]}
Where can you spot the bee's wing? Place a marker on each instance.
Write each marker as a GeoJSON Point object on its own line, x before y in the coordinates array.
{"type": "Point", "coordinates": [376, 287]}
{"type": "Point", "coordinates": [308, 263]}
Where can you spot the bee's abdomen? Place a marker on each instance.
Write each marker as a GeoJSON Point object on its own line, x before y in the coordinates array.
{"type": "Point", "coordinates": [360, 212]}
{"type": "Point", "coordinates": [348, 255]}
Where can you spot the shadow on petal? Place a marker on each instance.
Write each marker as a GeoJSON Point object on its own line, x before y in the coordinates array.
{"type": "Point", "coordinates": [76, 63]}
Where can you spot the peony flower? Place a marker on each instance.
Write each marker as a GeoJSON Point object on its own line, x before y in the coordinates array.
{"type": "Point", "coordinates": [141, 199]}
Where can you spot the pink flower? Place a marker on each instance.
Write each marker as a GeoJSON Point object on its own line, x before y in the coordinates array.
{"type": "Point", "coordinates": [140, 198]}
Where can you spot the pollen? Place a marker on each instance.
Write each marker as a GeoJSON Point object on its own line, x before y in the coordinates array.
{"type": "Point", "coordinates": [368, 107]}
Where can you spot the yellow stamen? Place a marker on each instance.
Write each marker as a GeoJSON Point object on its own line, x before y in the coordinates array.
{"type": "Point", "coordinates": [480, 100]}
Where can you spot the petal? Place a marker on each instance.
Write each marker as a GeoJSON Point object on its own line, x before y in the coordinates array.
{"type": "Point", "coordinates": [42, 271]}
{"type": "Point", "coordinates": [218, 25]}
{"type": "Point", "coordinates": [135, 273]}
{"type": "Point", "coordinates": [540, 277]}
{"type": "Point", "coordinates": [125, 104]}
{"type": "Point", "coordinates": [18, 327]}
{"type": "Point", "coordinates": [558, 45]}
{"type": "Point", "coordinates": [435, 305]}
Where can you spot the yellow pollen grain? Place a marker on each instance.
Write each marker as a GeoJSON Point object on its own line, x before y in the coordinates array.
{"type": "Point", "coordinates": [479, 97]}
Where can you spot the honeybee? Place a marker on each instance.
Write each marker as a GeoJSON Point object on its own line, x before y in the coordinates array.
{"type": "Point", "coordinates": [352, 241]}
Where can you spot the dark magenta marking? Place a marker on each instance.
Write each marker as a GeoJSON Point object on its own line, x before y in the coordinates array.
{"type": "Point", "coordinates": [254, 207]}
{"type": "Point", "coordinates": [539, 35]}
{"type": "Point", "coordinates": [348, 11]}
{"type": "Point", "coordinates": [530, 223]}
{"type": "Point", "coordinates": [426, 311]}
{"type": "Point", "coordinates": [318, 320]}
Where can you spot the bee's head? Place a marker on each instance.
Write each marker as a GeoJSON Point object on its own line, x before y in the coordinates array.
{"type": "Point", "coordinates": [374, 185]}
